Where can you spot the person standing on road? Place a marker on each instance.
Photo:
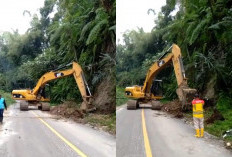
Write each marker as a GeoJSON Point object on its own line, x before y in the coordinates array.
{"type": "Point", "coordinates": [198, 117]}
{"type": "Point", "coordinates": [2, 107]}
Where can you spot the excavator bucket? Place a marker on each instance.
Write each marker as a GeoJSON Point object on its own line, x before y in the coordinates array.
{"type": "Point", "coordinates": [87, 105]}
{"type": "Point", "coordinates": [185, 95]}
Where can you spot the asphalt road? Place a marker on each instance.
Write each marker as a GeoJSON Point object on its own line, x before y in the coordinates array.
{"type": "Point", "coordinates": [166, 136]}
{"type": "Point", "coordinates": [38, 134]}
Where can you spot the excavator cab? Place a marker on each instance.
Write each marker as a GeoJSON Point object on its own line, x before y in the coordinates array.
{"type": "Point", "coordinates": [45, 92]}
{"type": "Point", "coordinates": [157, 88]}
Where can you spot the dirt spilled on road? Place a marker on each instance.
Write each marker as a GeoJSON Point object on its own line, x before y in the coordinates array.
{"type": "Point", "coordinates": [173, 108]}
{"type": "Point", "coordinates": [103, 118]}
{"type": "Point", "coordinates": [68, 109]}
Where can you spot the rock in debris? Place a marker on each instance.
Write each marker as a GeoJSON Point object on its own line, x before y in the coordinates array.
{"type": "Point", "coordinates": [174, 108]}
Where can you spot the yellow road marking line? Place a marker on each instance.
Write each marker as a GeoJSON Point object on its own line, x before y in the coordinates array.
{"type": "Point", "coordinates": [146, 139]}
{"type": "Point", "coordinates": [78, 151]}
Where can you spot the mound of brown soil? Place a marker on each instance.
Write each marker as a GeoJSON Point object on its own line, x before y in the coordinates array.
{"type": "Point", "coordinates": [71, 111]}
{"type": "Point", "coordinates": [68, 109]}
{"type": "Point", "coordinates": [174, 108]}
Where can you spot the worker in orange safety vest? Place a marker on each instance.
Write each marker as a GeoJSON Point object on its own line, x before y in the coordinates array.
{"type": "Point", "coordinates": [198, 117]}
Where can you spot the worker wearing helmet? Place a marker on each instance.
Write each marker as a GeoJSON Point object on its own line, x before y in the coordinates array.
{"type": "Point", "coordinates": [198, 117]}
{"type": "Point", "coordinates": [2, 107]}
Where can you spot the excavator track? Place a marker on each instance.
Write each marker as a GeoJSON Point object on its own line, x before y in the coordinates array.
{"type": "Point", "coordinates": [132, 105]}
{"type": "Point", "coordinates": [45, 106]}
{"type": "Point", "coordinates": [156, 105]}
{"type": "Point", "coordinates": [23, 105]}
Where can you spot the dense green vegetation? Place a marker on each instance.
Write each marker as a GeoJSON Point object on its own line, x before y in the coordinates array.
{"type": "Point", "coordinates": [219, 127]}
{"type": "Point", "coordinates": [82, 31]}
{"type": "Point", "coordinates": [120, 96]}
{"type": "Point", "coordinates": [203, 31]}
{"type": "Point", "coordinates": [7, 97]}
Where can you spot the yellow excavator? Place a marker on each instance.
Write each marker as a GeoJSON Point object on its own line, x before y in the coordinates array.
{"type": "Point", "coordinates": [37, 96]}
{"type": "Point", "coordinates": [152, 88]}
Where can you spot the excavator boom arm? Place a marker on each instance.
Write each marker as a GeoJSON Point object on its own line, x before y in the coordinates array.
{"type": "Point", "coordinates": [76, 71]}
{"type": "Point", "coordinates": [49, 76]}
{"type": "Point", "coordinates": [175, 58]}
{"type": "Point", "coordinates": [80, 80]}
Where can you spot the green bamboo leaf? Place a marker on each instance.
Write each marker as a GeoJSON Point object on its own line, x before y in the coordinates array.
{"type": "Point", "coordinates": [86, 28]}
{"type": "Point", "coordinates": [197, 31]}
{"type": "Point", "coordinates": [95, 32]}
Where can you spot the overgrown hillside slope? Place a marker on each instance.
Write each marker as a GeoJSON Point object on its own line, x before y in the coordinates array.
{"type": "Point", "coordinates": [203, 31]}
{"type": "Point", "coordinates": [82, 31]}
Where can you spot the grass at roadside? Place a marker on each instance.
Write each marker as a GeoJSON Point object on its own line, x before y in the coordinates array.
{"type": "Point", "coordinates": [7, 97]}
{"type": "Point", "coordinates": [218, 128]}
{"type": "Point", "coordinates": [120, 96]}
{"type": "Point", "coordinates": [106, 122]}
{"type": "Point", "coordinates": [165, 100]}
{"type": "Point", "coordinates": [71, 110]}
{"type": "Point", "coordinates": [54, 104]}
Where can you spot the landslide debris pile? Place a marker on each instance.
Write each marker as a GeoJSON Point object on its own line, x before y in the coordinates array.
{"type": "Point", "coordinates": [104, 97]}
{"type": "Point", "coordinates": [68, 110]}
{"type": "Point", "coordinates": [174, 108]}
{"type": "Point", "coordinates": [71, 110]}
